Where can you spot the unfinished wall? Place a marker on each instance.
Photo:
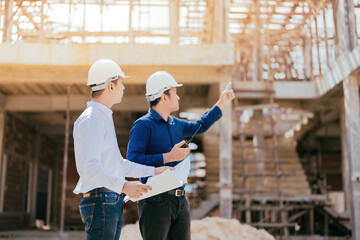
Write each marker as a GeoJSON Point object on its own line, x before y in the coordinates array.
{"type": "Point", "coordinates": [19, 156]}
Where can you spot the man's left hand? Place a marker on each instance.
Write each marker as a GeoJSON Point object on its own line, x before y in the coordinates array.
{"type": "Point", "coordinates": [226, 96]}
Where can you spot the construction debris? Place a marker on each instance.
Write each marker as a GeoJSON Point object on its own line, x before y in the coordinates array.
{"type": "Point", "coordinates": [214, 228]}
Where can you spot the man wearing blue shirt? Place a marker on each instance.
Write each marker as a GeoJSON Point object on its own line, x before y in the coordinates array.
{"type": "Point", "coordinates": [156, 140]}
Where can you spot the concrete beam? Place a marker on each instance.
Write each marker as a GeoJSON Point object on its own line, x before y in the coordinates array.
{"type": "Point", "coordinates": [13, 74]}
{"type": "Point", "coordinates": [53, 103]}
{"type": "Point", "coordinates": [86, 54]}
{"type": "Point", "coordinates": [295, 90]}
{"type": "Point", "coordinates": [283, 90]}
{"type": "Point", "coordinates": [343, 67]}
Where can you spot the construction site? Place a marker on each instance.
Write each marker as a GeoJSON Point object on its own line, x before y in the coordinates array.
{"type": "Point", "coordinates": [284, 157]}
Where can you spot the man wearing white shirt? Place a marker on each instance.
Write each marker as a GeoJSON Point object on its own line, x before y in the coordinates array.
{"type": "Point", "coordinates": [101, 167]}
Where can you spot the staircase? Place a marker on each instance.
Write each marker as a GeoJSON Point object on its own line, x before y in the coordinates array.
{"type": "Point", "coordinates": [293, 182]}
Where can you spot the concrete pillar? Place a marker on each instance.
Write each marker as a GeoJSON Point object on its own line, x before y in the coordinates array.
{"type": "Point", "coordinates": [225, 160]}
{"type": "Point", "coordinates": [344, 18]}
{"type": "Point", "coordinates": [258, 143]}
{"type": "Point", "coordinates": [222, 20]}
{"type": "Point", "coordinates": [352, 119]}
{"type": "Point", "coordinates": [345, 160]}
{"type": "Point", "coordinates": [174, 21]}
{"type": "Point", "coordinates": [131, 8]}
{"type": "Point", "coordinates": [7, 21]}
{"type": "Point", "coordinates": [34, 179]}
{"type": "Point", "coordinates": [258, 43]}
{"type": "Point", "coordinates": [219, 21]}
{"type": "Point", "coordinates": [2, 159]}
{"type": "Point", "coordinates": [307, 58]}
{"type": "Point", "coordinates": [2, 130]}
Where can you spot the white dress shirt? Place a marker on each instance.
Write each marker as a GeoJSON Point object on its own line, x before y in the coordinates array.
{"type": "Point", "coordinates": [97, 155]}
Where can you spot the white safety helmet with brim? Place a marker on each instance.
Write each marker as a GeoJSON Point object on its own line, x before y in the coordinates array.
{"type": "Point", "coordinates": [102, 72]}
{"type": "Point", "coordinates": [158, 83]}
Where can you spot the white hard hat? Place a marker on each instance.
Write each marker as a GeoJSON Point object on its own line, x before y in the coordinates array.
{"type": "Point", "coordinates": [102, 72]}
{"type": "Point", "coordinates": [158, 83]}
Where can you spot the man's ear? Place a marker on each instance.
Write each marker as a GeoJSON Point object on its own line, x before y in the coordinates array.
{"type": "Point", "coordinates": [111, 86]}
{"type": "Point", "coordinates": [163, 97]}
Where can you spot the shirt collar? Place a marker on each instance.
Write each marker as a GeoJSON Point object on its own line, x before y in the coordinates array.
{"type": "Point", "coordinates": [107, 111]}
{"type": "Point", "coordinates": [158, 117]}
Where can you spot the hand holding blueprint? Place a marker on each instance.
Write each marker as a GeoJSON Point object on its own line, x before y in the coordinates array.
{"type": "Point", "coordinates": [167, 180]}
{"type": "Point", "coordinates": [182, 170]}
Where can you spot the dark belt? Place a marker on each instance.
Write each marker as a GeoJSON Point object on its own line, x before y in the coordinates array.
{"type": "Point", "coordinates": [98, 191]}
{"type": "Point", "coordinates": [177, 192]}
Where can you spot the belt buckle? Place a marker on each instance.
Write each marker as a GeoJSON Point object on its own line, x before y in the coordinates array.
{"type": "Point", "coordinates": [178, 193]}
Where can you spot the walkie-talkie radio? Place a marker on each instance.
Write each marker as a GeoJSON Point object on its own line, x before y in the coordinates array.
{"type": "Point", "coordinates": [186, 144]}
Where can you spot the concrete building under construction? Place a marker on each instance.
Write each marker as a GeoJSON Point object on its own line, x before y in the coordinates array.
{"type": "Point", "coordinates": [284, 156]}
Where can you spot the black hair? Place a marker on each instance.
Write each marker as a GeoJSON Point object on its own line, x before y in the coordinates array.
{"type": "Point", "coordinates": [156, 101]}
{"type": "Point", "coordinates": [97, 93]}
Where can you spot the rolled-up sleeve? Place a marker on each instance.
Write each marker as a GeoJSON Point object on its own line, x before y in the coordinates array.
{"type": "Point", "coordinates": [135, 170]}
{"type": "Point", "coordinates": [206, 120]}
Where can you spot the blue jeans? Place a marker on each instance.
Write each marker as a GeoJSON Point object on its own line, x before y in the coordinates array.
{"type": "Point", "coordinates": [101, 214]}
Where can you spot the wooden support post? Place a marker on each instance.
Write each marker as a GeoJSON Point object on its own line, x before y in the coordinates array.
{"type": "Point", "coordinates": [1, 14]}
{"type": "Point", "coordinates": [225, 148]}
{"type": "Point", "coordinates": [311, 221]}
{"type": "Point", "coordinates": [69, 16]}
{"type": "Point", "coordinates": [226, 10]}
{"type": "Point", "coordinates": [3, 181]}
{"type": "Point", "coordinates": [2, 132]}
{"type": "Point", "coordinates": [326, 40]}
{"type": "Point", "coordinates": [84, 22]}
{"type": "Point", "coordinates": [317, 44]}
{"type": "Point", "coordinates": [352, 119]}
{"type": "Point", "coordinates": [247, 196]}
{"type": "Point", "coordinates": [65, 163]}
{"type": "Point", "coordinates": [7, 32]}
{"type": "Point", "coordinates": [258, 143]}
{"type": "Point", "coordinates": [345, 160]}
{"type": "Point", "coordinates": [34, 179]}
{"type": "Point", "coordinates": [326, 224]}
{"type": "Point", "coordinates": [2, 159]}
{"type": "Point", "coordinates": [219, 20]}
{"type": "Point", "coordinates": [311, 51]}
{"type": "Point", "coordinates": [131, 34]}
{"type": "Point", "coordinates": [351, 24]}
{"type": "Point", "coordinates": [258, 43]}
{"type": "Point", "coordinates": [41, 32]}
{"type": "Point", "coordinates": [101, 15]}
{"type": "Point", "coordinates": [56, 188]}
{"type": "Point", "coordinates": [49, 203]}
{"type": "Point", "coordinates": [174, 21]}
{"type": "Point", "coordinates": [307, 58]}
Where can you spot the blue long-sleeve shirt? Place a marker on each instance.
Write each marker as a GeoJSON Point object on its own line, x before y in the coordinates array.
{"type": "Point", "coordinates": [151, 136]}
